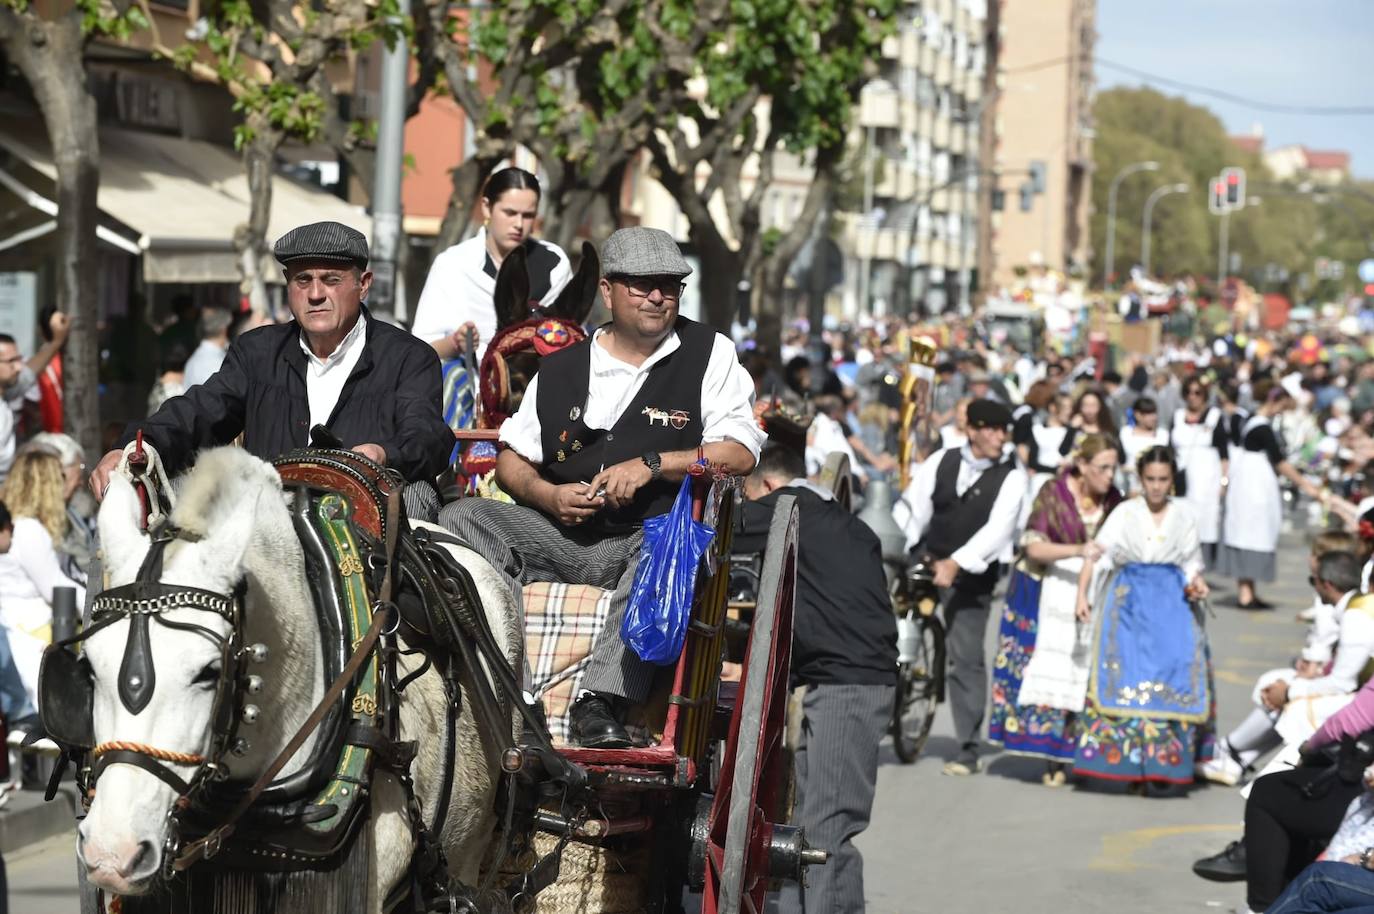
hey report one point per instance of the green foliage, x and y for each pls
(98, 19)
(1287, 229)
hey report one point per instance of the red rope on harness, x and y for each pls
(162, 755)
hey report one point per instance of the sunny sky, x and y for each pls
(1289, 52)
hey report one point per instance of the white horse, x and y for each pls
(236, 513)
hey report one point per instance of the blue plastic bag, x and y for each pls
(660, 607)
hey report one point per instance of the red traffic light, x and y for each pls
(1233, 178)
(1369, 289)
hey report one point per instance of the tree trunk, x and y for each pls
(259, 156)
(773, 271)
(720, 272)
(49, 54)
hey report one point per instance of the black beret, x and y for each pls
(988, 414)
(322, 241)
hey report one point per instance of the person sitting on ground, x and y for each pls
(844, 651)
(1336, 580)
(373, 386)
(603, 438)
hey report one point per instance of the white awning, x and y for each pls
(184, 199)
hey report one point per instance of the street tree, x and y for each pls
(48, 46)
(277, 59)
(806, 61)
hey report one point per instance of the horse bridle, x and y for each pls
(66, 689)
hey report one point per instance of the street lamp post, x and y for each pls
(1155, 196)
(1108, 259)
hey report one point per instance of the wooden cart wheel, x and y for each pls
(737, 865)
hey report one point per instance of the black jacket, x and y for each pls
(843, 630)
(392, 398)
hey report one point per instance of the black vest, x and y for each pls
(665, 415)
(955, 518)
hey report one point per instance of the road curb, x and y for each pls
(27, 820)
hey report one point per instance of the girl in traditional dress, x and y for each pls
(1149, 692)
(1254, 504)
(1138, 438)
(1199, 439)
(462, 282)
(1039, 678)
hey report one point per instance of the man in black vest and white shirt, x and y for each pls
(606, 432)
(961, 511)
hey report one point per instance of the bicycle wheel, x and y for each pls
(920, 680)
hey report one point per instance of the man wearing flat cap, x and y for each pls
(373, 386)
(605, 434)
(960, 513)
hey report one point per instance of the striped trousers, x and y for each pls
(837, 774)
(525, 545)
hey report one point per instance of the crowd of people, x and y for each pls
(1080, 496)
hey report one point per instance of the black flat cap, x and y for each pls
(322, 241)
(988, 414)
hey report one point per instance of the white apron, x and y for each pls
(1057, 674)
(1202, 464)
(1254, 507)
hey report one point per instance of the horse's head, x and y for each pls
(166, 664)
(527, 332)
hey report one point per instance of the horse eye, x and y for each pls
(207, 676)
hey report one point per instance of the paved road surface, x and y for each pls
(1003, 842)
(998, 842)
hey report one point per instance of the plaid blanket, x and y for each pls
(562, 622)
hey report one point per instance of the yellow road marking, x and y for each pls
(1251, 638)
(1246, 661)
(1118, 849)
(1240, 679)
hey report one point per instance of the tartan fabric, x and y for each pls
(562, 622)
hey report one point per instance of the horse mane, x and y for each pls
(223, 480)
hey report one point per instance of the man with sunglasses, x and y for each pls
(603, 438)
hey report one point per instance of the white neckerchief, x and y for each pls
(325, 377)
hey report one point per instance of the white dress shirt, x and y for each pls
(203, 363)
(458, 289)
(993, 541)
(727, 397)
(325, 377)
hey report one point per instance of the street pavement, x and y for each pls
(999, 841)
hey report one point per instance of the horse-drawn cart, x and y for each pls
(697, 809)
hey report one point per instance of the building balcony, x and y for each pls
(944, 69)
(892, 47)
(940, 131)
(879, 106)
(910, 53)
(866, 241)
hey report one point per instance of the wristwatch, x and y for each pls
(654, 463)
(1367, 858)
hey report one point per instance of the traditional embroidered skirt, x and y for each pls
(1035, 731)
(1150, 699)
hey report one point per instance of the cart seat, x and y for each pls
(562, 622)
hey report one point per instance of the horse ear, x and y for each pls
(122, 543)
(576, 299)
(512, 297)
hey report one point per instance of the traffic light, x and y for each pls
(1235, 187)
(1027, 194)
(999, 200)
(1037, 177)
(1216, 197)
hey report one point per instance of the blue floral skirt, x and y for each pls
(1032, 730)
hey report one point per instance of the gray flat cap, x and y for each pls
(642, 251)
(322, 241)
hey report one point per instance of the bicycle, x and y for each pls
(920, 659)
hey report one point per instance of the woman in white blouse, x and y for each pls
(30, 571)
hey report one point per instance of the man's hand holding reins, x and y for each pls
(100, 476)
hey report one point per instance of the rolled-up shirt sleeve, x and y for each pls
(521, 432)
(993, 540)
(912, 511)
(727, 400)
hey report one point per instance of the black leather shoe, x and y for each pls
(1227, 866)
(594, 724)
